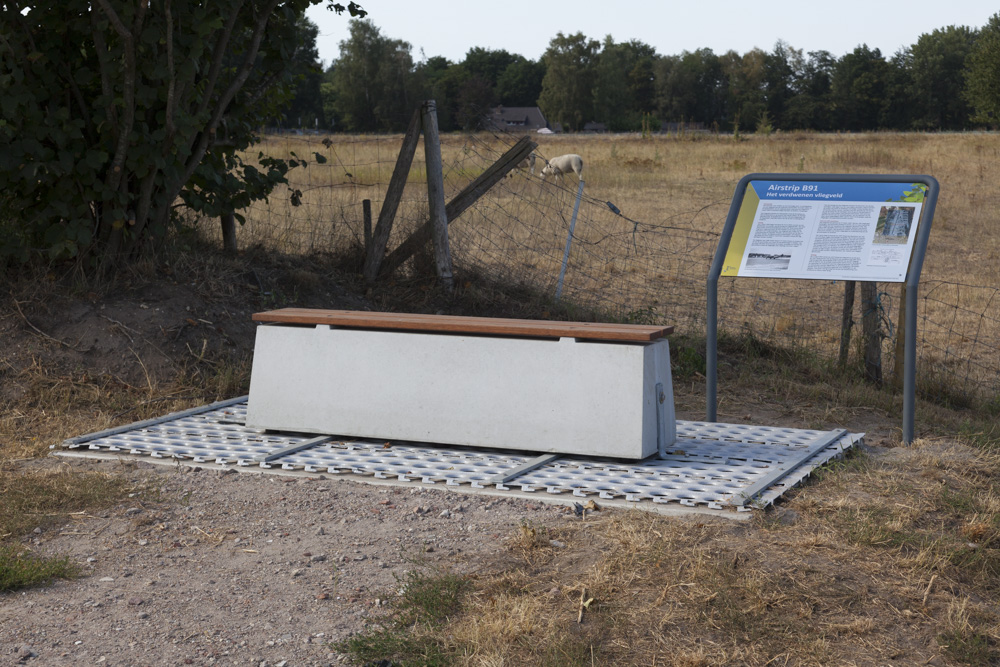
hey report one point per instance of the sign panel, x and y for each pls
(829, 230)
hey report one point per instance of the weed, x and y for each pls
(20, 568)
(962, 640)
(408, 634)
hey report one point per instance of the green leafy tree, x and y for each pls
(859, 90)
(936, 65)
(488, 64)
(611, 96)
(112, 111)
(371, 81)
(439, 79)
(809, 108)
(694, 88)
(779, 68)
(623, 84)
(567, 89)
(744, 77)
(520, 84)
(982, 75)
(305, 108)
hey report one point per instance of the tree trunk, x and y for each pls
(229, 233)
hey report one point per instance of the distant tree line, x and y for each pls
(948, 80)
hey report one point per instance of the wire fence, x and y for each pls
(635, 268)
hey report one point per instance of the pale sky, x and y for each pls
(450, 29)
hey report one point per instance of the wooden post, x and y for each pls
(366, 211)
(435, 195)
(380, 237)
(462, 201)
(871, 332)
(846, 322)
(228, 221)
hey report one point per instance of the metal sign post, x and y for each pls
(868, 227)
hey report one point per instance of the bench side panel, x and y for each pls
(561, 396)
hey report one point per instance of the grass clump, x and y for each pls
(20, 568)
(408, 635)
(30, 500)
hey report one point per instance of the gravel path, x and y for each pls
(212, 567)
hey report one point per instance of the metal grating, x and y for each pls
(712, 466)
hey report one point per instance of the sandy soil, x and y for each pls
(218, 567)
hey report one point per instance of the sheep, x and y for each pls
(527, 163)
(563, 164)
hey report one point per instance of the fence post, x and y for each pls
(569, 240)
(435, 194)
(871, 322)
(846, 322)
(366, 211)
(380, 237)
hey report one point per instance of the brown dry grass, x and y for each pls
(876, 569)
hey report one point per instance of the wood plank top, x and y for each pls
(495, 326)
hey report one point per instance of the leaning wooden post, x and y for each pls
(435, 194)
(846, 322)
(380, 237)
(460, 202)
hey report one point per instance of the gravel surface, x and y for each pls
(217, 567)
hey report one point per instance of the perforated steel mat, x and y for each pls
(722, 468)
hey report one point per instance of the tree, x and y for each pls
(112, 110)
(982, 75)
(611, 98)
(567, 89)
(810, 107)
(439, 79)
(694, 88)
(623, 84)
(488, 64)
(859, 89)
(520, 85)
(937, 65)
(305, 108)
(371, 81)
(745, 81)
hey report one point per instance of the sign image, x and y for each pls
(828, 230)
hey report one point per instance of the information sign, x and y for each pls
(830, 230)
(852, 227)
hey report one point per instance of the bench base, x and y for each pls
(559, 395)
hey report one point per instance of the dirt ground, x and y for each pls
(241, 568)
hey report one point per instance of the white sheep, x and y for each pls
(563, 164)
(527, 163)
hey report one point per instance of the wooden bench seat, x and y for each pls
(555, 387)
(490, 326)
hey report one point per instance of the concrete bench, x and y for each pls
(559, 387)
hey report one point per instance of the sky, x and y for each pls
(450, 29)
